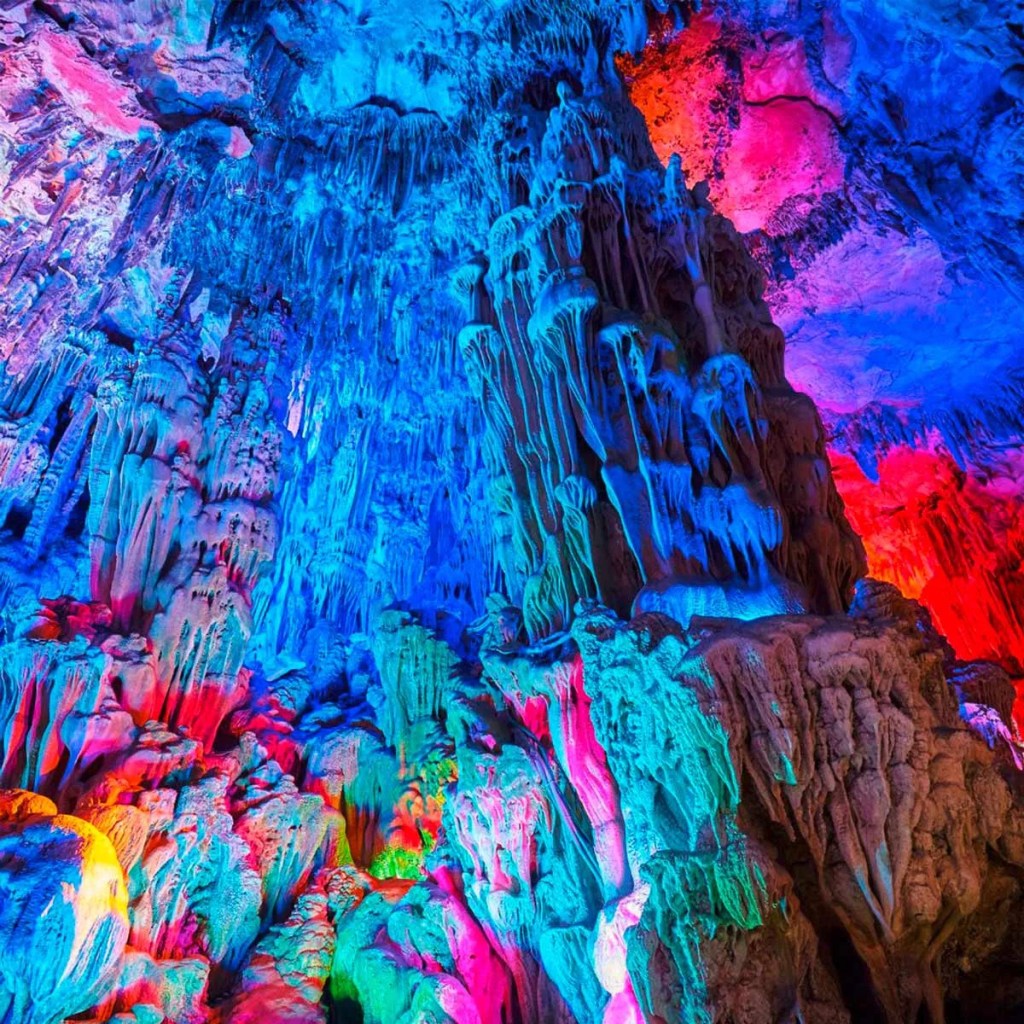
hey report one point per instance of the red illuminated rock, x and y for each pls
(952, 538)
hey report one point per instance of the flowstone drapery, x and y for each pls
(632, 385)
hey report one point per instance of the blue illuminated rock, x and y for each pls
(63, 912)
(423, 595)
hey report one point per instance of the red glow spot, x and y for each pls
(951, 539)
(743, 113)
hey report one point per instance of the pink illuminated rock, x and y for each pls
(783, 141)
(561, 711)
(417, 953)
(286, 975)
(83, 84)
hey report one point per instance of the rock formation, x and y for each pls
(64, 921)
(883, 206)
(425, 596)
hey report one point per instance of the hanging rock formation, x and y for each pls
(633, 390)
(883, 205)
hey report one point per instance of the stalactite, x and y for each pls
(422, 594)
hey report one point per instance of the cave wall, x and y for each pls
(871, 153)
(426, 596)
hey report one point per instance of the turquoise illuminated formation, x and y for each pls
(425, 597)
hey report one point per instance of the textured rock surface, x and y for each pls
(872, 152)
(424, 597)
(64, 920)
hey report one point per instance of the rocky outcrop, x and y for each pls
(64, 919)
(879, 250)
(883, 812)
(643, 444)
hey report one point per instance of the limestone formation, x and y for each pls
(64, 916)
(423, 595)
